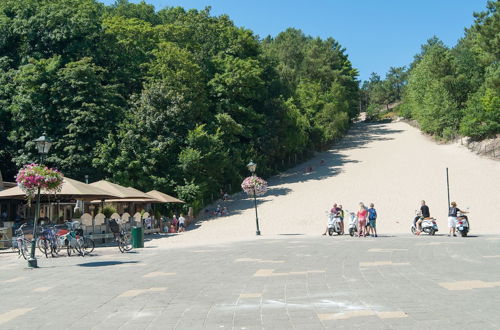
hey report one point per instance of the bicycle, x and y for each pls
(48, 242)
(73, 239)
(122, 238)
(21, 243)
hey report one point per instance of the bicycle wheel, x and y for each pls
(80, 246)
(58, 244)
(88, 245)
(23, 249)
(120, 245)
(43, 246)
(126, 242)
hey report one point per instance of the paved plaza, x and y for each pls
(282, 282)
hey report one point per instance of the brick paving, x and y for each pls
(298, 282)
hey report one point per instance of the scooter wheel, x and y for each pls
(351, 232)
(463, 233)
(432, 232)
(413, 231)
(330, 231)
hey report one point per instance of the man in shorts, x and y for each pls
(182, 223)
(372, 219)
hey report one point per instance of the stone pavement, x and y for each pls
(287, 282)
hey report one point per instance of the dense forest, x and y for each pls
(449, 91)
(175, 100)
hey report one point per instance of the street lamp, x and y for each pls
(43, 144)
(251, 167)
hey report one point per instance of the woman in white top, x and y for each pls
(182, 221)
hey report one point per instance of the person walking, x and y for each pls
(182, 223)
(362, 216)
(452, 218)
(372, 218)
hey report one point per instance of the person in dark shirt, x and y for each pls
(452, 218)
(424, 213)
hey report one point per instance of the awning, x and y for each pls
(163, 198)
(120, 191)
(71, 189)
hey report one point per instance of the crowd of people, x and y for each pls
(177, 224)
(367, 219)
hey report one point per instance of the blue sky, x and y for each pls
(377, 34)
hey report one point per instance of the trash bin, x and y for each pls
(137, 237)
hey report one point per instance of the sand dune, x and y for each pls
(392, 165)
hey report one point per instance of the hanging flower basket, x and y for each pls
(34, 176)
(254, 181)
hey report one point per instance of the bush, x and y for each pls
(373, 112)
(108, 210)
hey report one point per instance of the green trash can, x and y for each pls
(137, 237)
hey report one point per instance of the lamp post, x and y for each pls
(251, 167)
(83, 203)
(43, 144)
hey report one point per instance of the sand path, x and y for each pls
(392, 165)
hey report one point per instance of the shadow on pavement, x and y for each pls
(106, 263)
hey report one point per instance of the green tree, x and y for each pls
(71, 103)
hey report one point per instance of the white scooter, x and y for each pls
(334, 224)
(428, 225)
(463, 226)
(353, 223)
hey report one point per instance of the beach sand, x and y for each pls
(392, 165)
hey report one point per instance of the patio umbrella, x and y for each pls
(119, 191)
(71, 189)
(163, 198)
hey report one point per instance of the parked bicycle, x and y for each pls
(21, 243)
(123, 238)
(72, 238)
(47, 242)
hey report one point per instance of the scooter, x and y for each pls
(429, 225)
(353, 223)
(463, 226)
(334, 224)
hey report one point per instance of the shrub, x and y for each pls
(108, 210)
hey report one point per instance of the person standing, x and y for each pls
(452, 218)
(175, 222)
(372, 218)
(341, 211)
(362, 216)
(182, 223)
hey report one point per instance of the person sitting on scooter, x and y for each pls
(333, 211)
(424, 213)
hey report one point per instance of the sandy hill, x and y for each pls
(391, 164)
